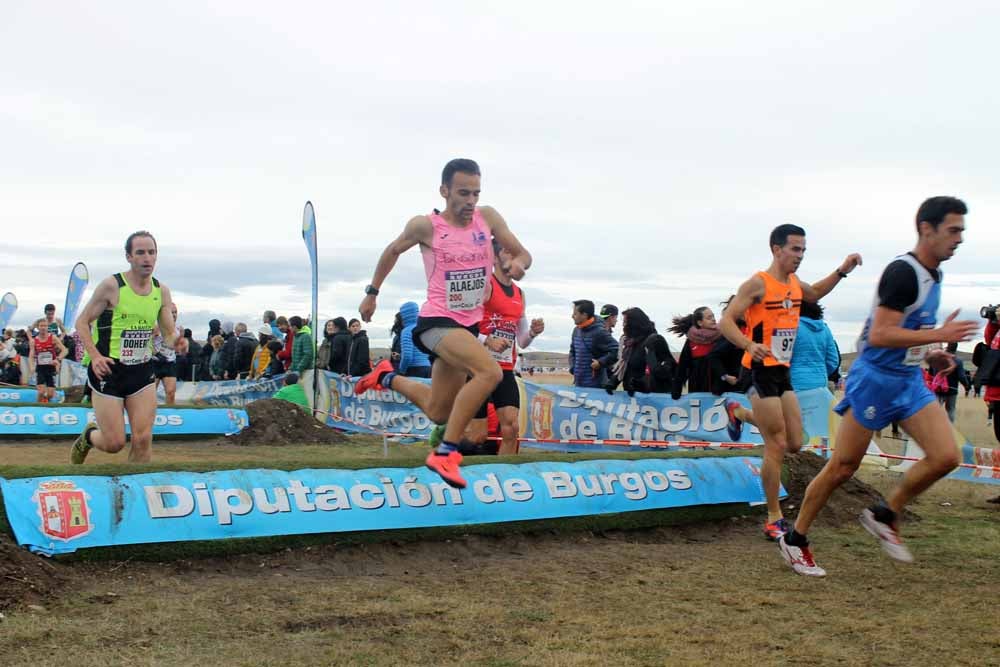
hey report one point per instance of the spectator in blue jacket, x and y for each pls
(592, 350)
(815, 356)
(412, 362)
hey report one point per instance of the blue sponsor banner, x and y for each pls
(78, 279)
(234, 393)
(988, 458)
(8, 306)
(22, 420)
(569, 413)
(26, 395)
(59, 515)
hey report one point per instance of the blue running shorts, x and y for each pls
(877, 398)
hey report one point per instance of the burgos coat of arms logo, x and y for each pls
(63, 509)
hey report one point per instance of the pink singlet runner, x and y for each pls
(458, 265)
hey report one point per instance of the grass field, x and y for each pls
(639, 589)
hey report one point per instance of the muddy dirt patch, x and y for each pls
(24, 577)
(275, 422)
(844, 505)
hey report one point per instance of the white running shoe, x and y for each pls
(887, 537)
(800, 559)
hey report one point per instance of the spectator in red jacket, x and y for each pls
(286, 354)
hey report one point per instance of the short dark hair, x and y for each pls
(458, 165)
(353, 320)
(134, 235)
(291, 378)
(295, 321)
(50, 306)
(275, 346)
(340, 323)
(585, 306)
(934, 210)
(780, 234)
(813, 311)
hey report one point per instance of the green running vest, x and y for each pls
(125, 332)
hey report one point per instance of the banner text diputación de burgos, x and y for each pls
(172, 501)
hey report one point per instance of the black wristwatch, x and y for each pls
(371, 290)
(842, 274)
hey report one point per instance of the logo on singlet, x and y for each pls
(479, 238)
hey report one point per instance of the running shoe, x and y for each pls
(370, 381)
(773, 531)
(80, 446)
(436, 436)
(446, 465)
(735, 426)
(800, 559)
(887, 537)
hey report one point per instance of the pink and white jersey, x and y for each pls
(458, 265)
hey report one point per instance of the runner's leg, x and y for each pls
(793, 421)
(460, 349)
(771, 423)
(435, 400)
(170, 389)
(850, 445)
(509, 430)
(141, 408)
(930, 429)
(110, 434)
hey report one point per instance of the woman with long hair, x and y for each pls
(700, 365)
(645, 363)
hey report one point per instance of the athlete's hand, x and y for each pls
(497, 344)
(939, 358)
(101, 365)
(367, 307)
(595, 366)
(957, 331)
(537, 326)
(851, 262)
(758, 352)
(516, 270)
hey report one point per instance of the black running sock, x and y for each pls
(883, 514)
(86, 437)
(796, 539)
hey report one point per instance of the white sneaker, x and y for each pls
(887, 537)
(800, 559)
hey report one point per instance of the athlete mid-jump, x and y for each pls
(456, 245)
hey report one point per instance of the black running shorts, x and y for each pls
(771, 381)
(45, 376)
(505, 395)
(123, 381)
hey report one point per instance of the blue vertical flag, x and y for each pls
(8, 306)
(309, 236)
(79, 277)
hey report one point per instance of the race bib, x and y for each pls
(782, 344)
(915, 355)
(465, 288)
(507, 356)
(44, 358)
(135, 348)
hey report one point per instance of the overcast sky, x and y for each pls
(641, 150)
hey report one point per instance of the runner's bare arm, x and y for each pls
(417, 230)
(887, 330)
(749, 293)
(166, 319)
(817, 290)
(63, 351)
(522, 258)
(105, 296)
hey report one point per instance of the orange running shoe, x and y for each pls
(370, 381)
(773, 531)
(446, 465)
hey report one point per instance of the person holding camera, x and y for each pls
(987, 360)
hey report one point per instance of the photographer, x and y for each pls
(988, 366)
